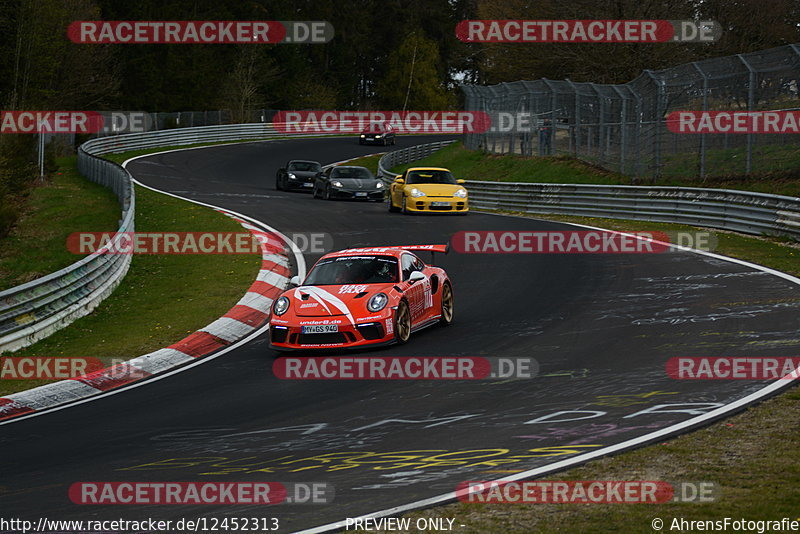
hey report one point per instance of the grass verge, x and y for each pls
(162, 299)
(68, 203)
(370, 162)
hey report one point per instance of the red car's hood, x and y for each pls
(328, 301)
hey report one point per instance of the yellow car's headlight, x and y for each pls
(416, 193)
(461, 193)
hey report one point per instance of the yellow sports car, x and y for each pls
(428, 189)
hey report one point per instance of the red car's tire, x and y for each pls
(448, 305)
(402, 323)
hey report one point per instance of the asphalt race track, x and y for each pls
(601, 327)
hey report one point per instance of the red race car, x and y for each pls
(362, 297)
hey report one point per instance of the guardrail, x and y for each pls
(740, 211)
(35, 310)
(182, 137)
(406, 155)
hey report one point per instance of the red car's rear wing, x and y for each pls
(444, 249)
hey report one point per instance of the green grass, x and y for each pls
(370, 162)
(770, 163)
(68, 203)
(476, 165)
(162, 299)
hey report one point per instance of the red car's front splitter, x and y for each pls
(363, 334)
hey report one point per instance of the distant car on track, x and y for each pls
(377, 134)
(362, 297)
(428, 189)
(348, 182)
(297, 174)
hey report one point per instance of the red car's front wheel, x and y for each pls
(402, 323)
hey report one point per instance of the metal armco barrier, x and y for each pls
(738, 211)
(185, 136)
(35, 310)
(406, 155)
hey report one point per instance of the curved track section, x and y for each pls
(601, 326)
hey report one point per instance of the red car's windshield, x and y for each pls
(354, 270)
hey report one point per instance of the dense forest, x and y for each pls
(367, 65)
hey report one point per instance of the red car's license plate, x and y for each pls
(321, 329)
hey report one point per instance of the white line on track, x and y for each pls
(718, 413)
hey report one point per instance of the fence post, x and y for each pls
(661, 105)
(750, 106)
(705, 108)
(553, 125)
(601, 127)
(638, 137)
(576, 119)
(622, 129)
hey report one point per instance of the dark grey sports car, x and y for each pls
(348, 182)
(297, 174)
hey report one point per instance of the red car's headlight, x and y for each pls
(377, 302)
(280, 306)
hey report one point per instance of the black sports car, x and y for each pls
(297, 174)
(348, 182)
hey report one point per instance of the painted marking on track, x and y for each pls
(697, 420)
(370, 460)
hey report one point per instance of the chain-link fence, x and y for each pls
(623, 127)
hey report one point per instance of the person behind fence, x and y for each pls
(545, 135)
